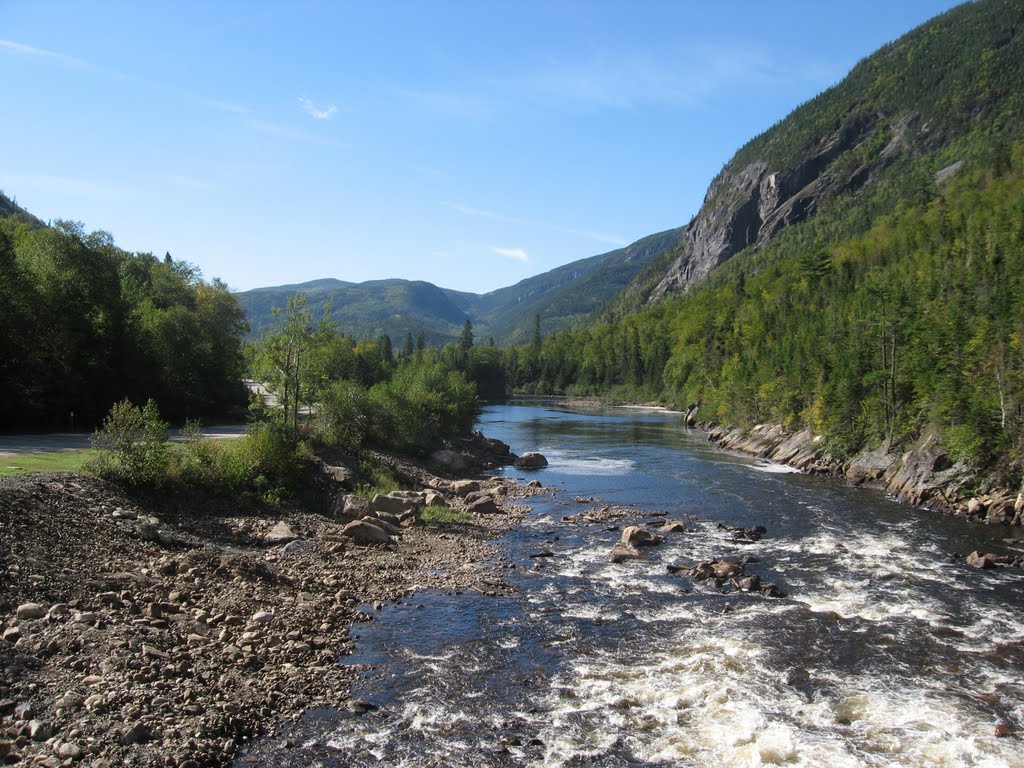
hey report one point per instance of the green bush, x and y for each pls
(266, 459)
(343, 415)
(132, 445)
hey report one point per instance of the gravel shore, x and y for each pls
(171, 631)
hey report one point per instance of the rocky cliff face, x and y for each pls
(746, 206)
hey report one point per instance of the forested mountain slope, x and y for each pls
(948, 92)
(560, 297)
(875, 291)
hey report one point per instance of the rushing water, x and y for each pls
(882, 653)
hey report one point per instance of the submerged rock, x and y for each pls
(532, 460)
(635, 536)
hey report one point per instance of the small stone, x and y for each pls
(12, 635)
(40, 730)
(30, 611)
(69, 750)
(262, 617)
(137, 734)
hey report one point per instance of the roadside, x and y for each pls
(14, 445)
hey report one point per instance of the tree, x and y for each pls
(466, 340)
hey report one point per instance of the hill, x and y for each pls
(946, 94)
(856, 271)
(561, 297)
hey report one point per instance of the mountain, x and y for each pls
(9, 207)
(855, 275)
(561, 297)
(946, 92)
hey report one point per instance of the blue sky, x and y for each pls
(471, 144)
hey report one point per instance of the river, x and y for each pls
(883, 651)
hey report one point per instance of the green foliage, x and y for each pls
(381, 480)
(132, 445)
(915, 323)
(422, 406)
(343, 415)
(268, 460)
(444, 515)
(86, 324)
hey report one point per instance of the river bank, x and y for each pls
(151, 631)
(922, 476)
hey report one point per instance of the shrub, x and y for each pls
(132, 444)
(343, 415)
(266, 460)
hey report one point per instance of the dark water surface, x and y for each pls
(883, 652)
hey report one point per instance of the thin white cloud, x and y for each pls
(187, 181)
(43, 53)
(88, 189)
(516, 254)
(587, 234)
(316, 112)
(469, 210)
(29, 50)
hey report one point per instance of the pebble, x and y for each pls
(30, 611)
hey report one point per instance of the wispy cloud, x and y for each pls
(29, 50)
(317, 112)
(88, 189)
(599, 237)
(516, 254)
(74, 61)
(186, 181)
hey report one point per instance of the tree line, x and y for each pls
(85, 324)
(867, 329)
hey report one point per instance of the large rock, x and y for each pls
(365, 533)
(449, 461)
(635, 536)
(622, 551)
(29, 611)
(281, 533)
(396, 503)
(350, 507)
(344, 476)
(485, 505)
(532, 460)
(465, 487)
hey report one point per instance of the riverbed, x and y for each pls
(884, 649)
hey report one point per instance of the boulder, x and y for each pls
(475, 496)
(673, 526)
(395, 504)
(29, 611)
(341, 475)
(350, 507)
(622, 551)
(982, 560)
(389, 523)
(635, 536)
(281, 533)
(465, 487)
(449, 461)
(434, 499)
(531, 461)
(485, 505)
(365, 533)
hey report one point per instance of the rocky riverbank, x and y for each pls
(923, 475)
(170, 631)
